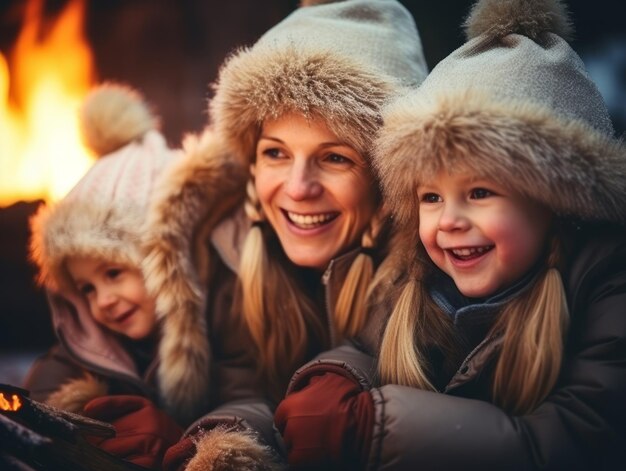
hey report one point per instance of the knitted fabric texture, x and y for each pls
(515, 105)
(102, 216)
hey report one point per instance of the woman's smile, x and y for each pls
(310, 220)
(315, 191)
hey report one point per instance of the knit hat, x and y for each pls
(102, 216)
(339, 61)
(515, 105)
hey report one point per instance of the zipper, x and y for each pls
(468, 359)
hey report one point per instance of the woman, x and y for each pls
(284, 276)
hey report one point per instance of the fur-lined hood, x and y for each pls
(515, 105)
(188, 210)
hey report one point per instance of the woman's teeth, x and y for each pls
(307, 221)
(472, 252)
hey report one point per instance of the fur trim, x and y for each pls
(112, 116)
(568, 166)
(194, 194)
(99, 231)
(75, 394)
(265, 83)
(498, 18)
(220, 449)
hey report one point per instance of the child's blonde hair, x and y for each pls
(531, 327)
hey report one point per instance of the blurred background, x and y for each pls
(53, 51)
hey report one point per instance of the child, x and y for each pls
(506, 346)
(88, 251)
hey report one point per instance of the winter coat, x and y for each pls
(203, 292)
(580, 425)
(172, 369)
(88, 361)
(242, 400)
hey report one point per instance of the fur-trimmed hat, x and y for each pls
(102, 216)
(336, 60)
(514, 104)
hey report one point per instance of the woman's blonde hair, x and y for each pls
(283, 320)
(532, 326)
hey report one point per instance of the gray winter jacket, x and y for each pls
(580, 425)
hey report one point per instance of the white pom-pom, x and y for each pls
(113, 115)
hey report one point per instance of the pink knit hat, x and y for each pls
(103, 215)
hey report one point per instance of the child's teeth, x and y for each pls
(466, 252)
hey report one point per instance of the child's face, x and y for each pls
(116, 294)
(484, 236)
(316, 192)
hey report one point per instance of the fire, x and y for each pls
(14, 405)
(41, 154)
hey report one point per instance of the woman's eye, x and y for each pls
(337, 159)
(430, 198)
(273, 153)
(480, 193)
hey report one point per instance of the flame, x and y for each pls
(41, 154)
(12, 406)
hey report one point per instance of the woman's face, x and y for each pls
(316, 192)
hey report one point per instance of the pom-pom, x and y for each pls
(113, 115)
(498, 18)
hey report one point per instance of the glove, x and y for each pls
(143, 432)
(328, 423)
(179, 454)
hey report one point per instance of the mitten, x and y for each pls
(143, 431)
(327, 423)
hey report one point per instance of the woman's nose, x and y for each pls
(303, 182)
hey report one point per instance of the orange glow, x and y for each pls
(14, 405)
(41, 154)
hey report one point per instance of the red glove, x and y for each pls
(144, 432)
(328, 423)
(176, 457)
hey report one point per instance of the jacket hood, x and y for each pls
(192, 198)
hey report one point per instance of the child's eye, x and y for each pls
(86, 289)
(430, 198)
(480, 193)
(113, 273)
